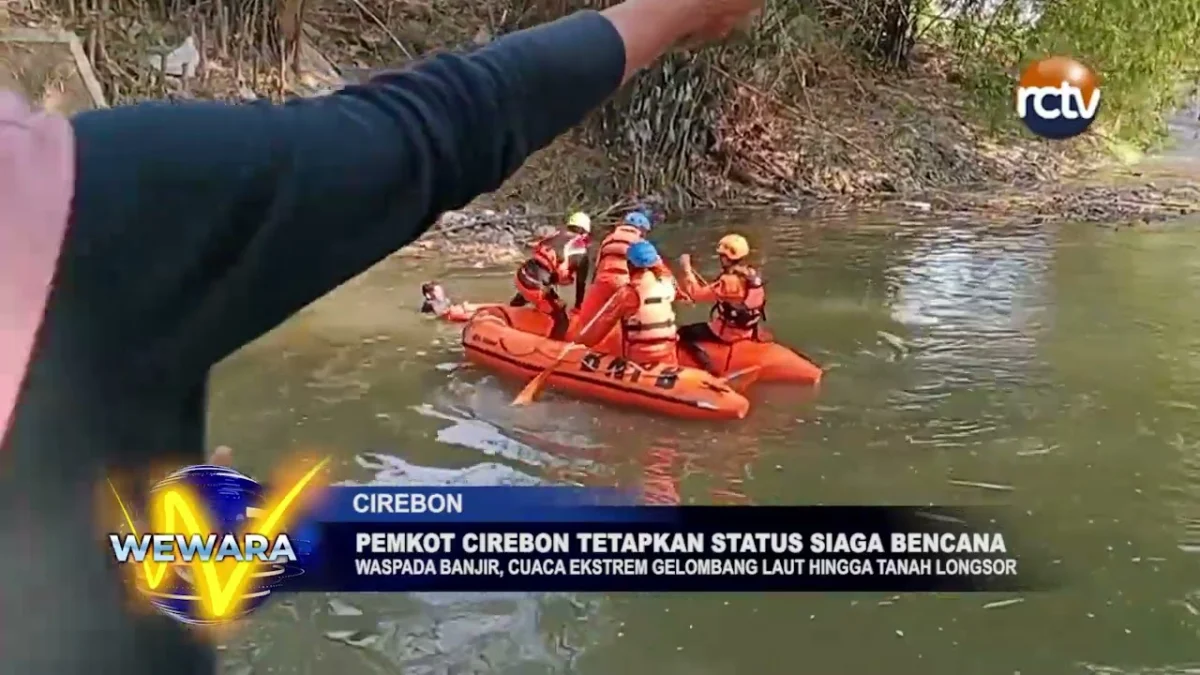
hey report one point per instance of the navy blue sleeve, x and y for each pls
(583, 266)
(198, 227)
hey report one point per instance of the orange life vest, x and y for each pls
(554, 254)
(733, 320)
(611, 260)
(650, 333)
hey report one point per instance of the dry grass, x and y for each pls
(45, 72)
(809, 105)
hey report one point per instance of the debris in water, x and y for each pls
(983, 486)
(940, 517)
(354, 638)
(421, 353)
(447, 366)
(1182, 405)
(899, 632)
(1004, 603)
(1038, 451)
(290, 608)
(343, 608)
(894, 341)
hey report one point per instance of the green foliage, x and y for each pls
(1141, 48)
(668, 122)
(1144, 50)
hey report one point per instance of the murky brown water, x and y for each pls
(1062, 366)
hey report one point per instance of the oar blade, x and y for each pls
(535, 385)
(740, 380)
(530, 392)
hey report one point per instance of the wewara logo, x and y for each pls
(1058, 97)
(214, 547)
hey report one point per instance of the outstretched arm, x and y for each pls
(695, 289)
(622, 303)
(199, 227)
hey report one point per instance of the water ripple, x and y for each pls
(430, 633)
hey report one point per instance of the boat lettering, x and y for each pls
(620, 369)
(623, 370)
(590, 362)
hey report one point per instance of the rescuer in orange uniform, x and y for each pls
(558, 260)
(739, 298)
(644, 309)
(612, 270)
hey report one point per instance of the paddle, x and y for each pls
(535, 385)
(744, 377)
(744, 372)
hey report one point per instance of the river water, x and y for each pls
(1055, 370)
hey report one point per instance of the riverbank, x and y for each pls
(485, 236)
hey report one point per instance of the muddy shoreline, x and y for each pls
(483, 237)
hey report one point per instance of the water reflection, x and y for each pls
(979, 297)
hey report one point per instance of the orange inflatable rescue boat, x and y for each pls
(776, 362)
(512, 341)
(771, 361)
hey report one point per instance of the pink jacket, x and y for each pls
(37, 175)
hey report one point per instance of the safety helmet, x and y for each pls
(580, 221)
(733, 246)
(642, 254)
(639, 220)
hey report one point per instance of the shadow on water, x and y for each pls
(1052, 370)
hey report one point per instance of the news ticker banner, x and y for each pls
(216, 544)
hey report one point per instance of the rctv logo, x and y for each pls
(1058, 97)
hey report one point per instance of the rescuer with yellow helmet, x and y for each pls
(739, 301)
(558, 260)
